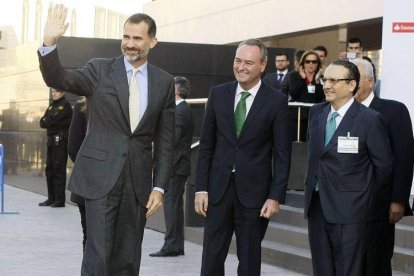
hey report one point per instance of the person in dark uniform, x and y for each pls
(77, 133)
(173, 207)
(56, 120)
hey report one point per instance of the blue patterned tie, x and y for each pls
(330, 127)
(329, 132)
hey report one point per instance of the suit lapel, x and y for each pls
(229, 98)
(376, 104)
(258, 102)
(153, 96)
(119, 78)
(345, 125)
(321, 125)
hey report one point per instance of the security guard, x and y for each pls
(56, 120)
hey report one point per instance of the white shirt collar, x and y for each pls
(284, 72)
(143, 69)
(341, 111)
(177, 102)
(367, 102)
(253, 91)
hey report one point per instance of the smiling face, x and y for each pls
(247, 66)
(136, 43)
(339, 92)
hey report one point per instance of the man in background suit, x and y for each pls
(392, 202)
(349, 160)
(173, 207)
(275, 79)
(243, 164)
(126, 159)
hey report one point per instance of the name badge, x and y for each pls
(311, 89)
(348, 144)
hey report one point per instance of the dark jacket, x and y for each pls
(57, 117)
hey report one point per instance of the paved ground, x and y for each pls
(47, 241)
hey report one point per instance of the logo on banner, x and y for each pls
(403, 27)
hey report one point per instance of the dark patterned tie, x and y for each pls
(240, 113)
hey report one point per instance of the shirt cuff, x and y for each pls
(201, 192)
(44, 50)
(158, 189)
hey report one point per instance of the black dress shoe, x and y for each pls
(46, 203)
(56, 205)
(164, 253)
(181, 252)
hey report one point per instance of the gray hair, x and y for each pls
(366, 67)
(256, 42)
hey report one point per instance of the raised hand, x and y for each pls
(55, 25)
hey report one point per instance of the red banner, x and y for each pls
(403, 27)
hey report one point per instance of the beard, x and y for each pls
(139, 56)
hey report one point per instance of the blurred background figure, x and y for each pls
(275, 79)
(174, 205)
(303, 85)
(56, 121)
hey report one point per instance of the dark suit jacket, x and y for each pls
(184, 126)
(77, 132)
(347, 181)
(271, 80)
(397, 119)
(109, 139)
(265, 136)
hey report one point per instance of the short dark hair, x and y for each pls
(183, 85)
(353, 72)
(355, 40)
(256, 42)
(142, 17)
(298, 55)
(321, 48)
(282, 54)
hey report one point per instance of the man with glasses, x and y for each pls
(350, 159)
(275, 79)
(392, 202)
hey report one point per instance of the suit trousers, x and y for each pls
(337, 249)
(174, 214)
(115, 229)
(224, 218)
(380, 248)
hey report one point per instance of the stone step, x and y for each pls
(403, 260)
(290, 215)
(404, 236)
(287, 234)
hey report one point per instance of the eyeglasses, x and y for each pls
(313, 61)
(333, 81)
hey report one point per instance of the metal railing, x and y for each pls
(299, 105)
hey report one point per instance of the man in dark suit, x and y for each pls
(275, 79)
(350, 159)
(243, 163)
(173, 207)
(126, 159)
(392, 202)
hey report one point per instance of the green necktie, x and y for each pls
(240, 113)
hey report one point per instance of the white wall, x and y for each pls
(227, 21)
(398, 51)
